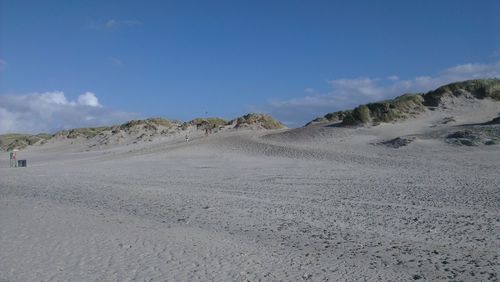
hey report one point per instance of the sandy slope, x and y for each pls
(317, 203)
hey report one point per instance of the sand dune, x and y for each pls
(317, 203)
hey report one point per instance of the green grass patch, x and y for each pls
(208, 123)
(9, 142)
(265, 121)
(479, 88)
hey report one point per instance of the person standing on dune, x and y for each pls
(11, 156)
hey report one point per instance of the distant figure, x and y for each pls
(187, 138)
(11, 158)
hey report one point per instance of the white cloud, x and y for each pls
(88, 99)
(348, 93)
(3, 64)
(51, 111)
(55, 97)
(362, 87)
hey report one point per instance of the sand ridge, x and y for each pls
(397, 201)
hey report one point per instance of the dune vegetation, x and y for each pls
(409, 105)
(87, 132)
(261, 120)
(19, 141)
(142, 127)
(206, 123)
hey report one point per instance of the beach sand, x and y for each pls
(319, 203)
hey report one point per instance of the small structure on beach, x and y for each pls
(14, 162)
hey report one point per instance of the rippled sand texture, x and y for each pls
(317, 203)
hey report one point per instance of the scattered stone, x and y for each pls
(463, 137)
(474, 136)
(417, 277)
(464, 134)
(447, 120)
(398, 142)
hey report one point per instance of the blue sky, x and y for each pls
(181, 59)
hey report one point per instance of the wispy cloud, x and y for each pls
(116, 62)
(50, 111)
(3, 64)
(348, 93)
(112, 24)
